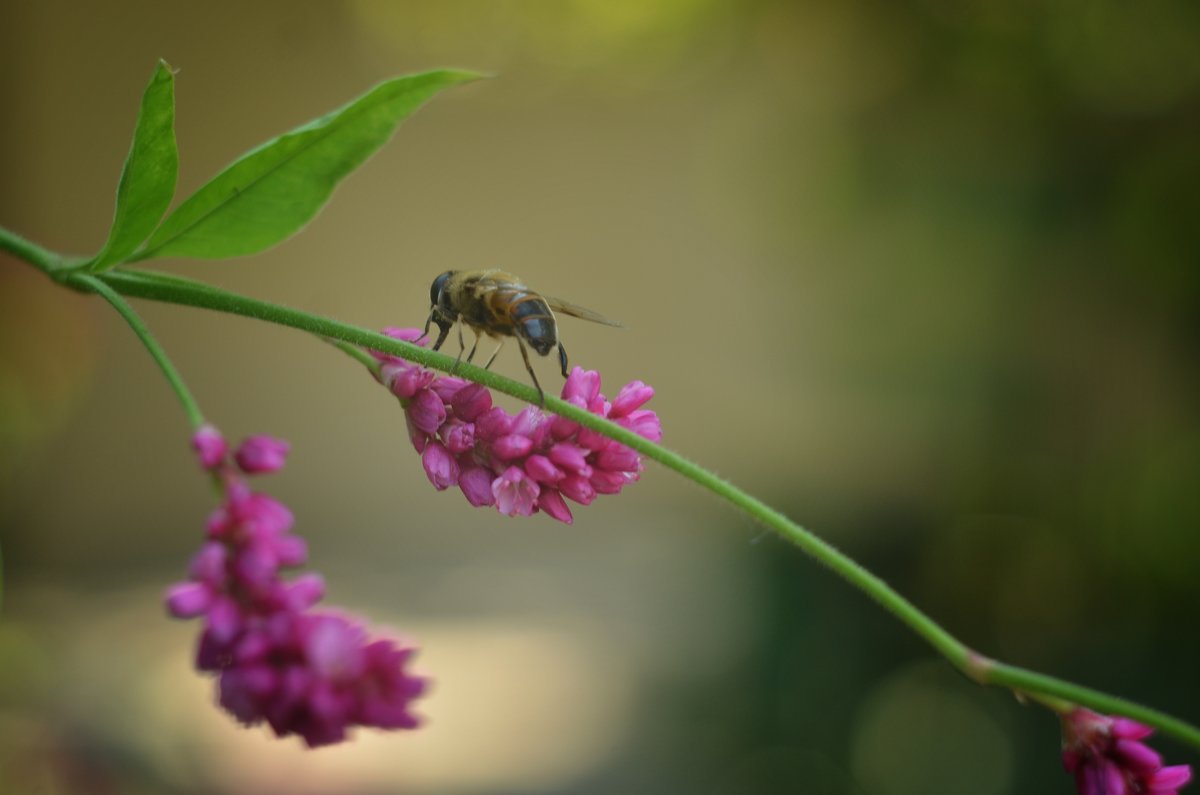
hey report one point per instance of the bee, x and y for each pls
(496, 303)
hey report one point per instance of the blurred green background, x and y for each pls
(922, 274)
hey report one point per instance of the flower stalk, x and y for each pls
(177, 290)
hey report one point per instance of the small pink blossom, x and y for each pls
(209, 445)
(515, 492)
(524, 463)
(312, 673)
(440, 466)
(258, 454)
(1106, 757)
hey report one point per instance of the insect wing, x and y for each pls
(567, 308)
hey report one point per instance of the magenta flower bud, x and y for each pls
(440, 466)
(427, 411)
(568, 456)
(471, 401)
(644, 423)
(563, 428)
(406, 380)
(406, 334)
(608, 482)
(618, 457)
(515, 493)
(541, 469)
(527, 422)
(1169, 779)
(581, 383)
(189, 599)
(632, 396)
(592, 440)
(263, 515)
(262, 454)
(305, 591)
(447, 386)
(334, 647)
(512, 446)
(208, 565)
(1137, 755)
(209, 445)
(493, 424)
(476, 485)
(255, 568)
(224, 619)
(577, 488)
(459, 436)
(550, 501)
(417, 436)
(291, 551)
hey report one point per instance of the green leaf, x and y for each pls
(148, 179)
(269, 193)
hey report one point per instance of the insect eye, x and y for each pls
(439, 284)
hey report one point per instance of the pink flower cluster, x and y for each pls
(521, 463)
(1106, 757)
(306, 672)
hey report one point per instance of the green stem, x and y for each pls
(173, 289)
(156, 352)
(29, 251)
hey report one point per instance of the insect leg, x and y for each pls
(562, 358)
(471, 355)
(428, 320)
(443, 331)
(462, 346)
(492, 358)
(529, 369)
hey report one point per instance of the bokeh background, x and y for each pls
(922, 274)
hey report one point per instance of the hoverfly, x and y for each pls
(496, 303)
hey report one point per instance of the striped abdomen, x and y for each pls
(524, 314)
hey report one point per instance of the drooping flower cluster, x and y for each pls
(521, 463)
(308, 672)
(1106, 757)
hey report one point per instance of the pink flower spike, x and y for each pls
(262, 454)
(440, 466)
(315, 675)
(209, 445)
(515, 493)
